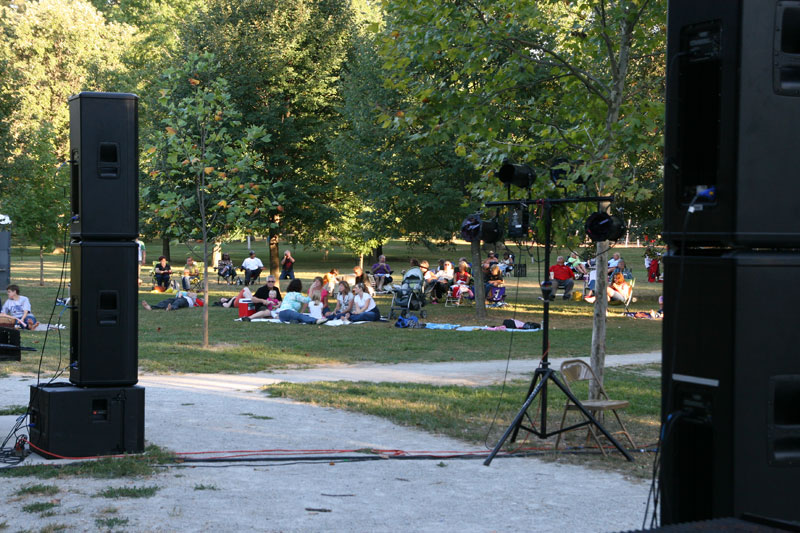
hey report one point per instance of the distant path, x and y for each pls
(472, 373)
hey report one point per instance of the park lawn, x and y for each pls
(480, 415)
(171, 341)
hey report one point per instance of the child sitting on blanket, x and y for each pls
(315, 305)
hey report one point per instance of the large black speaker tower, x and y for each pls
(731, 372)
(101, 412)
(104, 155)
(731, 387)
(732, 122)
(104, 314)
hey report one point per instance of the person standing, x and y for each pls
(287, 266)
(252, 268)
(142, 257)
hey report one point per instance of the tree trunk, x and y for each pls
(165, 248)
(274, 256)
(41, 265)
(376, 253)
(598, 354)
(205, 286)
(477, 275)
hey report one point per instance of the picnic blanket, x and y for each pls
(652, 315)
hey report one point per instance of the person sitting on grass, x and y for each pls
(264, 303)
(315, 306)
(344, 302)
(162, 272)
(18, 308)
(364, 307)
(289, 311)
(181, 300)
(330, 279)
(622, 269)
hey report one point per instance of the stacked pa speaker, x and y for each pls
(104, 314)
(731, 364)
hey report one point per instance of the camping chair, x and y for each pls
(627, 303)
(457, 295)
(574, 370)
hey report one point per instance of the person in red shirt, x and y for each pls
(561, 276)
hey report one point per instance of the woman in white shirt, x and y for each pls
(364, 307)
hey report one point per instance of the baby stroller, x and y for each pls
(410, 296)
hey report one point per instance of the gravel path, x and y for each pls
(221, 412)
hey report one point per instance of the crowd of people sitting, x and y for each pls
(349, 298)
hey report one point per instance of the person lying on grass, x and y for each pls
(18, 308)
(182, 299)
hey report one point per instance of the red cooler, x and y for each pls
(246, 308)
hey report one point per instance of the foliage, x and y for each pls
(535, 81)
(393, 187)
(282, 59)
(206, 157)
(49, 50)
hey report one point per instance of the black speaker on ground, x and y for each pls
(104, 153)
(104, 314)
(70, 421)
(732, 122)
(731, 386)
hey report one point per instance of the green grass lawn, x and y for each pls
(171, 341)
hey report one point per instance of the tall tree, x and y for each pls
(393, 186)
(49, 50)
(282, 60)
(534, 81)
(206, 156)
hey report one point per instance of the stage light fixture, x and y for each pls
(520, 175)
(604, 227)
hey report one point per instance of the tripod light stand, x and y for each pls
(544, 373)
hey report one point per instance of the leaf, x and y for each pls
(171, 130)
(208, 170)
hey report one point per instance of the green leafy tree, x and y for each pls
(204, 160)
(39, 203)
(282, 60)
(535, 81)
(43, 61)
(392, 186)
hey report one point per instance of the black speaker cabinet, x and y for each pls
(70, 421)
(10, 345)
(732, 120)
(105, 164)
(731, 387)
(104, 314)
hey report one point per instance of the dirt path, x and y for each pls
(220, 412)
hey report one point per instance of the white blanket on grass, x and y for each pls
(277, 321)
